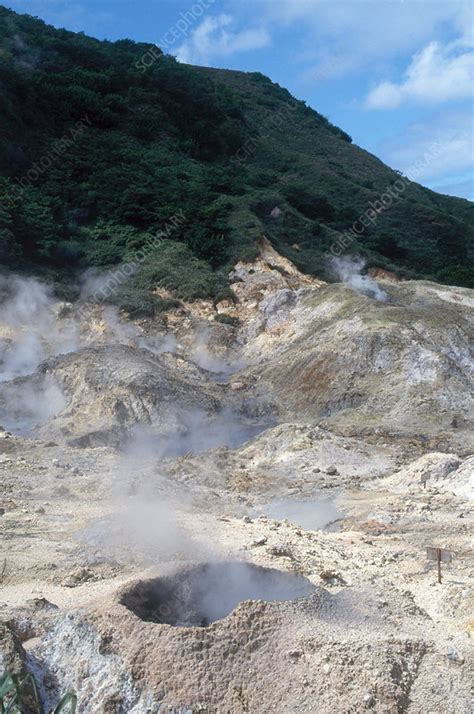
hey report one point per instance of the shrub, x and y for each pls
(462, 275)
(311, 205)
(227, 319)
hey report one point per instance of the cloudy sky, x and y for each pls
(395, 74)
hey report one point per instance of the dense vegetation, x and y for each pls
(96, 155)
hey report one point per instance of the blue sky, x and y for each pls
(395, 74)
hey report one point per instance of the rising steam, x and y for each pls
(349, 270)
(150, 519)
(30, 329)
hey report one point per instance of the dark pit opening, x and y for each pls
(202, 594)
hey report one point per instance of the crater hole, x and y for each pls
(201, 594)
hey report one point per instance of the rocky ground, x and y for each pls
(307, 456)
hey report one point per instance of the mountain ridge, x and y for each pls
(235, 152)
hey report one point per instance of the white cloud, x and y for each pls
(434, 149)
(340, 38)
(436, 74)
(215, 37)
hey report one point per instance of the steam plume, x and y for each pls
(30, 328)
(349, 270)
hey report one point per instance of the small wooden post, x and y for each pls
(441, 555)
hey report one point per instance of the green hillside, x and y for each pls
(98, 155)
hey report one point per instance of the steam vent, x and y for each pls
(202, 594)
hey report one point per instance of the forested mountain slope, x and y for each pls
(97, 153)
